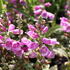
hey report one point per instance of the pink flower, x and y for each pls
(38, 7)
(49, 41)
(47, 4)
(13, 1)
(17, 31)
(68, 12)
(64, 24)
(22, 2)
(37, 12)
(1, 37)
(51, 55)
(44, 14)
(11, 27)
(33, 55)
(66, 6)
(54, 41)
(8, 44)
(44, 51)
(67, 29)
(16, 48)
(31, 27)
(64, 19)
(50, 15)
(33, 45)
(46, 41)
(19, 53)
(45, 29)
(3, 28)
(42, 27)
(1, 41)
(32, 34)
(1, 20)
(25, 41)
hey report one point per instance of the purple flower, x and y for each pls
(22, 2)
(17, 31)
(32, 34)
(45, 29)
(1, 37)
(68, 12)
(50, 15)
(44, 14)
(1, 41)
(46, 41)
(33, 45)
(38, 7)
(8, 13)
(66, 6)
(25, 41)
(64, 19)
(49, 41)
(12, 1)
(54, 41)
(33, 55)
(67, 29)
(3, 28)
(16, 48)
(31, 27)
(11, 27)
(19, 53)
(47, 4)
(51, 55)
(44, 51)
(8, 44)
(1, 20)
(42, 27)
(37, 12)
(64, 24)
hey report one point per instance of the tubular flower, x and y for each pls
(47, 4)
(33, 45)
(31, 27)
(32, 34)
(50, 41)
(44, 51)
(65, 24)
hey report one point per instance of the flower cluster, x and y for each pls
(29, 34)
(35, 45)
(39, 11)
(65, 24)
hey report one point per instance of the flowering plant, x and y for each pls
(29, 35)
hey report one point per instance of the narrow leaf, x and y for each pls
(52, 30)
(1, 6)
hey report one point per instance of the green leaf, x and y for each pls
(52, 30)
(1, 6)
(27, 15)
